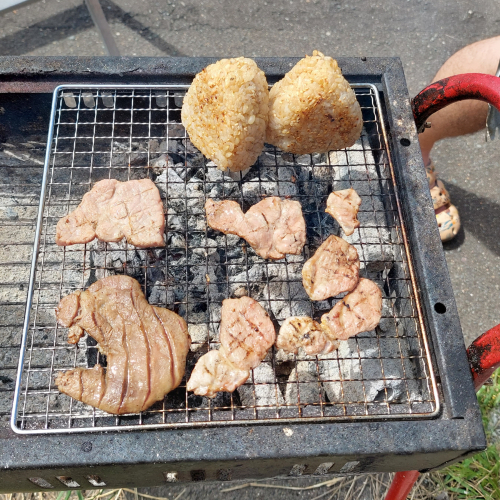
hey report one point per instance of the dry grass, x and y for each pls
(362, 487)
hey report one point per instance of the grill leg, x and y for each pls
(402, 484)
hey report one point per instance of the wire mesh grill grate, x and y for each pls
(132, 133)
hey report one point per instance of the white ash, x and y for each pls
(160, 164)
(199, 336)
(287, 296)
(222, 266)
(375, 248)
(387, 323)
(176, 240)
(352, 379)
(267, 394)
(303, 384)
(162, 296)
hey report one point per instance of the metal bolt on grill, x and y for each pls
(127, 132)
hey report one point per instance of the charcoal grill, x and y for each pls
(404, 389)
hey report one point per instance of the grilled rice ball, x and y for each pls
(313, 108)
(225, 112)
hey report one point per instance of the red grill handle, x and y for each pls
(455, 88)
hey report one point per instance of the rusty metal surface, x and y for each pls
(42, 74)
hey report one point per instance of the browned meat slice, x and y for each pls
(343, 206)
(112, 210)
(213, 373)
(273, 227)
(359, 311)
(303, 331)
(246, 334)
(146, 346)
(333, 269)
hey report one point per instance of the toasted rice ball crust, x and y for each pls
(313, 108)
(225, 112)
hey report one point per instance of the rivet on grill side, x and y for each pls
(95, 480)
(224, 474)
(349, 466)
(324, 468)
(197, 475)
(170, 477)
(297, 470)
(41, 482)
(68, 481)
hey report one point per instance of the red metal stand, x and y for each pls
(402, 484)
(484, 359)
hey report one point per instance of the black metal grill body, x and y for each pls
(148, 457)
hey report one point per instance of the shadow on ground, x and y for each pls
(73, 21)
(479, 216)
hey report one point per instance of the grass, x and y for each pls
(477, 477)
(474, 478)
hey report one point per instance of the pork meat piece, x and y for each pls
(359, 311)
(213, 373)
(145, 346)
(112, 210)
(333, 269)
(303, 331)
(273, 227)
(343, 206)
(246, 334)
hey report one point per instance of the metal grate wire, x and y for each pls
(126, 132)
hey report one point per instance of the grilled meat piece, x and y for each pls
(333, 269)
(343, 206)
(303, 331)
(359, 311)
(273, 227)
(246, 334)
(213, 373)
(146, 346)
(112, 210)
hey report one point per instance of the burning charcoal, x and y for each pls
(175, 130)
(270, 160)
(267, 394)
(303, 383)
(255, 274)
(287, 296)
(161, 295)
(158, 165)
(355, 380)
(218, 185)
(269, 181)
(287, 299)
(176, 240)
